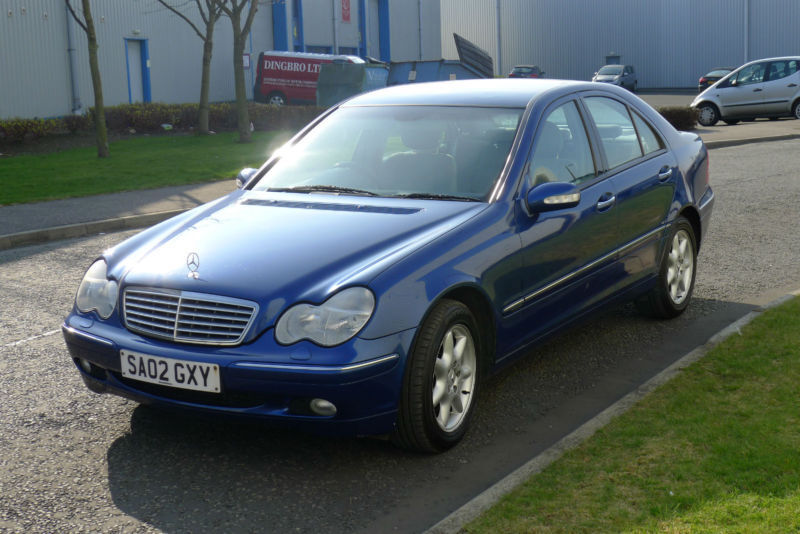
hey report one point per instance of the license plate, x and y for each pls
(170, 372)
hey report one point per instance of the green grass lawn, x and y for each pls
(715, 450)
(138, 163)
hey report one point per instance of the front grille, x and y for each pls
(188, 317)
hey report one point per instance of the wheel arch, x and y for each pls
(480, 306)
(478, 303)
(693, 216)
(707, 102)
(795, 104)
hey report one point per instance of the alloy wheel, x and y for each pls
(454, 377)
(680, 267)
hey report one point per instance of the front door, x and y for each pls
(564, 250)
(743, 94)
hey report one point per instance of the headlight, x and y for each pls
(333, 322)
(97, 292)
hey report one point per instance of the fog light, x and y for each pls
(85, 365)
(322, 407)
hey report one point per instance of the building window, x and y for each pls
(348, 50)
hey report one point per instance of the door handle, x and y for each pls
(664, 174)
(757, 90)
(607, 203)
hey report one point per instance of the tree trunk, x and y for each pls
(97, 86)
(242, 115)
(203, 108)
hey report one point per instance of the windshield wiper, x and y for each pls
(322, 189)
(436, 196)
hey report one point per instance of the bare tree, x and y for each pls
(210, 11)
(87, 23)
(234, 9)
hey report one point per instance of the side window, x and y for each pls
(617, 134)
(751, 74)
(781, 69)
(651, 141)
(562, 152)
(776, 70)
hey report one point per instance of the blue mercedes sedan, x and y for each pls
(376, 268)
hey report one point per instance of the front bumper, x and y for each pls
(261, 380)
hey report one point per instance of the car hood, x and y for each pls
(606, 77)
(278, 249)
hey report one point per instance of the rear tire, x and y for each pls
(276, 98)
(441, 380)
(707, 114)
(796, 110)
(676, 274)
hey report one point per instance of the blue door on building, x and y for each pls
(137, 62)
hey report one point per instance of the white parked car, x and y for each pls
(763, 88)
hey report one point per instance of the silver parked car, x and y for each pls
(763, 88)
(622, 75)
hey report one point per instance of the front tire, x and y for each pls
(708, 114)
(676, 275)
(796, 110)
(441, 380)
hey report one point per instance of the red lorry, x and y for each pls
(291, 77)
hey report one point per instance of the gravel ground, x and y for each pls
(74, 461)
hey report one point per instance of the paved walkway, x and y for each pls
(39, 222)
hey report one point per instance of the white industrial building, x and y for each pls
(671, 43)
(148, 54)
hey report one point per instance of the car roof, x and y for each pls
(782, 58)
(312, 55)
(500, 92)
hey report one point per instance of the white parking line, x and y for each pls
(32, 338)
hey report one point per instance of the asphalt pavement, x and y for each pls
(39, 222)
(133, 470)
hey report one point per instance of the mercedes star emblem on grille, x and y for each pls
(193, 263)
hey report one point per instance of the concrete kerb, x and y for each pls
(722, 143)
(454, 522)
(70, 231)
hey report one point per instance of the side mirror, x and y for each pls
(244, 176)
(552, 196)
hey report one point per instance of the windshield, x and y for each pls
(523, 70)
(425, 151)
(612, 70)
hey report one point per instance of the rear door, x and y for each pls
(644, 174)
(781, 86)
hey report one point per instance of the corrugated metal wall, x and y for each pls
(670, 42)
(416, 30)
(33, 83)
(34, 62)
(34, 66)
